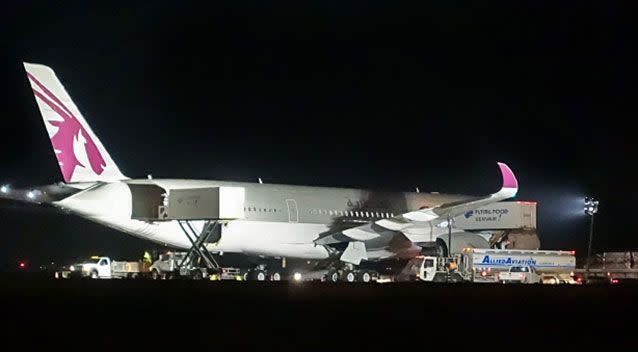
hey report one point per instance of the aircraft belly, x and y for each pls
(280, 239)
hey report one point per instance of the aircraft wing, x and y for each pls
(411, 222)
(407, 220)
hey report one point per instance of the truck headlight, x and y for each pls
(72, 268)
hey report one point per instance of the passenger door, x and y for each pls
(293, 213)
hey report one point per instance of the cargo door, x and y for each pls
(293, 213)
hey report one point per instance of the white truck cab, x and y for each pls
(428, 268)
(95, 267)
(439, 269)
(167, 264)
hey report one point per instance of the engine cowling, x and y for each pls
(461, 240)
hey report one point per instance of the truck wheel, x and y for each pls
(365, 277)
(94, 274)
(350, 276)
(155, 275)
(196, 275)
(276, 276)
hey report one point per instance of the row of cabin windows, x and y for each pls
(352, 213)
(348, 213)
(262, 210)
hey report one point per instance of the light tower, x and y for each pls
(591, 208)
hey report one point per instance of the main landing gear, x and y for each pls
(262, 273)
(348, 273)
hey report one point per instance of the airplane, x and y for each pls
(342, 225)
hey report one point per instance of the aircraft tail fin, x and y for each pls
(81, 156)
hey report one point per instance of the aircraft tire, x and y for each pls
(365, 277)
(349, 276)
(333, 276)
(260, 276)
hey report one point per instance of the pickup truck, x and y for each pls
(520, 274)
(103, 268)
(166, 265)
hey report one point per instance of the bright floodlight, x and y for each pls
(591, 206)
(4, 189)
(297, 277)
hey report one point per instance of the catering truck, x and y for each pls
(97, 267)
(499, 216)
(484, 265)
(505, 225)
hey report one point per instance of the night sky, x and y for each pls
(390, 97)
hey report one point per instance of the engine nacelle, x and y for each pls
(461, 240)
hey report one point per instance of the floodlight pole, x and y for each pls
(591, 237)
(449, 236)
(591, 207)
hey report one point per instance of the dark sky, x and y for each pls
(388, 96)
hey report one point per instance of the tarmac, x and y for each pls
(314, 315)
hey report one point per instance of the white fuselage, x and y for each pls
(279, 220)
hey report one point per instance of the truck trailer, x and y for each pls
(484, 265)
(97, 267)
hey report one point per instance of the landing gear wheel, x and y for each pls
(333, 276)
(260, 276)
(350, 276)
(276, 276)
(365, 277)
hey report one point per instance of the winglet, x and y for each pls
(509, 180)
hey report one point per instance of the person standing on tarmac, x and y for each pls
(453, 266)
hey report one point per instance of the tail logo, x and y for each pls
(70, 133)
